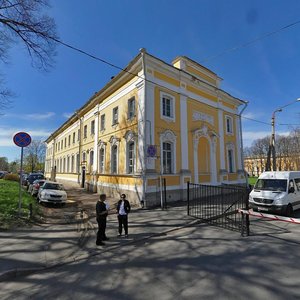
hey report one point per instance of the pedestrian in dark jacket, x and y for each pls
(101, 215)
(123, 209)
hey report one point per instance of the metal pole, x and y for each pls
(20, 185)
(273, 141)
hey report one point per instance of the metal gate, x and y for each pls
(218, 205)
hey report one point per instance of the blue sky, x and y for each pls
(266, 73)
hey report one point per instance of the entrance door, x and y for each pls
(82, 177)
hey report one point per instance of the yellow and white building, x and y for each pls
(153, 119)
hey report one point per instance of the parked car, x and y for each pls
(34, 188)
(52, 192)
(32, 177)
(2, 174)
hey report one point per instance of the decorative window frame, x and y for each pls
(93, 127)
(172, 102)
(102, 125)
(168, 136)
(101, 146)
(131, 113)
(115, 121)
(231, 147)
(85, 130)
(114, 142)
(231, 130)
(130, 137)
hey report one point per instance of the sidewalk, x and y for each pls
(24, 251)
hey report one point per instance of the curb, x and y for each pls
(19, 272)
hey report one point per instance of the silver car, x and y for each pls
(52, 192)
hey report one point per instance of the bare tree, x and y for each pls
(34, 156)
(23, 21)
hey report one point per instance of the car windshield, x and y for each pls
(53, 186)
(271, 184)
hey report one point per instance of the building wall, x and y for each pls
(195, 131)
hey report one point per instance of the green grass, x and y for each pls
(252, 180)
(9, 205)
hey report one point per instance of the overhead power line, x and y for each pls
(126, 71)
(244, 45)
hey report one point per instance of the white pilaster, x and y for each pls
(95, 159)
(184, 133)
(221, 139)
(141, 127)
(149, 112)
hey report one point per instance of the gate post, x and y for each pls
(188, 198)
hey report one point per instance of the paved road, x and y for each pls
(198, 262)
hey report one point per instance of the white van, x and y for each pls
(276, 192)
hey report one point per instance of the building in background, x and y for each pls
(152, 120)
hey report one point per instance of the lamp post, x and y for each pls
(272, 140)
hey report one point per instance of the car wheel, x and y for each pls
(289, 211)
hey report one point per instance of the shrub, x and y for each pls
(12, 177)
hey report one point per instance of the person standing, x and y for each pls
(123, 209)
(101, 215)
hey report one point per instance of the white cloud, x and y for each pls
(67, 115)
(250, 136)
(33, 117)
(7, 134)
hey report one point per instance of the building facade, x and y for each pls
(153, 120)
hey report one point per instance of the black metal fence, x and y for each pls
(219, 205)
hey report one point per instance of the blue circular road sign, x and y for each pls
(151, 150)
(22, 139)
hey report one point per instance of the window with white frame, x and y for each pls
(78, 135)
(74, 137)
(230, 158)
(68, 164)
(131, 108)
(101, 160)
(102, 122)
(115, 116)
(229, 125)
(114, 159)
(83, 157)
(64, 166)
(167, 158)
(167, 107)
(93, 127)
(130, 157)
(72, 164)
(91, 158)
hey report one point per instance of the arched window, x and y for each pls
(101, 160)
(130, 157)
(168, 152)
(114, 159)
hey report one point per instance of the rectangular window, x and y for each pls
(65, 142)
(69, 140)
(101, 160)
(229, 125)
(74, 137)
(230, 161)
(115, 116)
(72, 164)
(167, 108)
(93, 127)
(167, 158)
(78, 135)
(131, 108)
(85, 131)
(77, 163)
(102, 122)
(114, 159)
(130, 157)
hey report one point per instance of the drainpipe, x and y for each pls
(241, 137)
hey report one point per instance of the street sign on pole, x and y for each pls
(21, 139)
